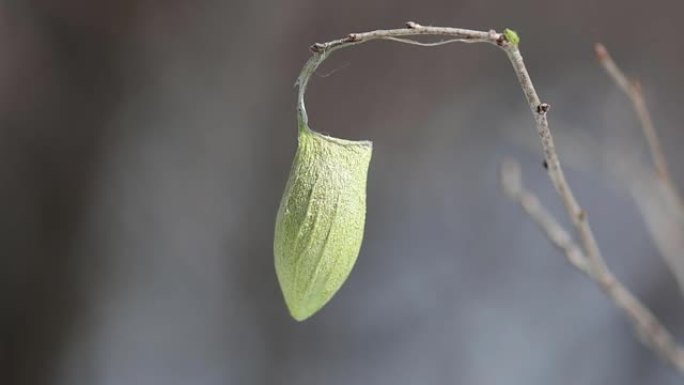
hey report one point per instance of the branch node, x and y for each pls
(412, 25)
(500, 39)
(582, 215)
(543, 108)
(317, 48)
(352, 37)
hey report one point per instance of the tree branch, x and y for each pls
(647, 326)
(511, 182)
(634, 91)
(588, 258)
(657, 197)
(321, 51)
(572, 207)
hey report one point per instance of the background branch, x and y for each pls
(655, 193)
(511, 182)
(634, 91)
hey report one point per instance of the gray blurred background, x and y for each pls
(144, 146)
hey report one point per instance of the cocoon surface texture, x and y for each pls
(320, 222)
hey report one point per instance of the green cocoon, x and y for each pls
(320, 222)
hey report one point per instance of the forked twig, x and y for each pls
(511, 182)
(648, 327)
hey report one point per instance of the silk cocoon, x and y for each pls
(320, 223)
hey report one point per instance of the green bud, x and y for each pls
(320, 222)
(511, 36)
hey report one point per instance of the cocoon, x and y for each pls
(320, 222)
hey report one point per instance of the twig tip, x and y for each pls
(601, 52)
(582, 215)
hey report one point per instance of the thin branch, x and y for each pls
(634, 91)
(591, 262)
(321, 51)
(539, 111)
(647, 326)
(511, 182)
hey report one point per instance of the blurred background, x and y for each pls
(144, 147)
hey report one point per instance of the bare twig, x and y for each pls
(647, 326)
(321, 51)
(658, 199)
(587, 259)
(511, 181)
(539, 110)
(634, 91)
